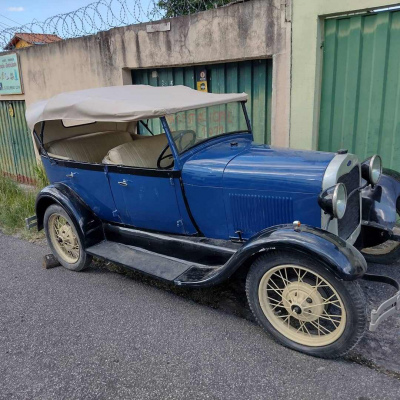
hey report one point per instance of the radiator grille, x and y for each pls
(351, 180)
(351, 219)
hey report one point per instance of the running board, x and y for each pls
(195, 250)
(154, 264)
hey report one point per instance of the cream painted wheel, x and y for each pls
(302, 305)
(64, 239)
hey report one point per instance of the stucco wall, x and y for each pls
(307, 27)
(249, 30)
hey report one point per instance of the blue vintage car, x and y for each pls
(168, 181)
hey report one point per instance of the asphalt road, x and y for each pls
(102, 335)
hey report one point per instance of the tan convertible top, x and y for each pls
(124, 103)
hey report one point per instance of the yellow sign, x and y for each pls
(202, 86)
(202, 80)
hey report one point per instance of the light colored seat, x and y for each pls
(142, 152)
(90, 148)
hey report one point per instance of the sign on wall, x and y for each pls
(10, 79)
(202, 81)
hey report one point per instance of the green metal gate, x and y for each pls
(253, 77)
(17, 156)
(360, 98)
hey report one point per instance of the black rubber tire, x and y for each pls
(384, 258)
(350, 293)
(84, 258)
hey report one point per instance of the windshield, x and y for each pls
(188, 128)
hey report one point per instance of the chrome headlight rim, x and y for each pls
(339, 201)
(374, 164)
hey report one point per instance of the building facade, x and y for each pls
(307, 65)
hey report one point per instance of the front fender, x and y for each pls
(380, 204)
(336, 255)
(89, 226)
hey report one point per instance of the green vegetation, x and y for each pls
(17, 202)
(175, 8)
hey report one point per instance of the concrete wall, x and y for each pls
(250, 30)
(307, 31)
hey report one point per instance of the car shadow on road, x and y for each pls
(379, 350)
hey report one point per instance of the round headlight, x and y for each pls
(375, 169)
(339, 200)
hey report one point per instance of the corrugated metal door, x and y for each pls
(360, 99)
(253, 77)
(17, 156)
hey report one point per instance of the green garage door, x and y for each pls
(253, 77)
(360, 99)
(17, 156)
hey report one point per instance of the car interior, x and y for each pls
(105, 143)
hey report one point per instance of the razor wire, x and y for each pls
(102, 15)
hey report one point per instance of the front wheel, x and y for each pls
(304, 306)
(63, 239)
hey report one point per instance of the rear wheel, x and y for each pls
(63, 239)
(304, 306)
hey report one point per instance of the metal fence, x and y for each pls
(102, 15)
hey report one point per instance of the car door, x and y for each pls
(89, 181)
(147, 199)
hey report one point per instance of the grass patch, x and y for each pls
(17, 202)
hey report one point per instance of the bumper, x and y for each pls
(389, 307)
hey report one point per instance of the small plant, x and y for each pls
(41, 177)
(15, 205)
(17, 202)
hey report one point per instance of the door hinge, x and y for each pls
(171, 181)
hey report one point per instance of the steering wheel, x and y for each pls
(178, 136)
(163, 157)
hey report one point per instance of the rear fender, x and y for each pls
(90, 228)
(380, 203)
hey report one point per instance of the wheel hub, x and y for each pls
(303, 301)
(66, 237)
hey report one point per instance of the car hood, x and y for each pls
(247, 165)
(277, 169)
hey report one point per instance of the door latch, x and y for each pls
(71, 175)
(123, 183)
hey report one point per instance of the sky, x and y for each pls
(24, 11)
